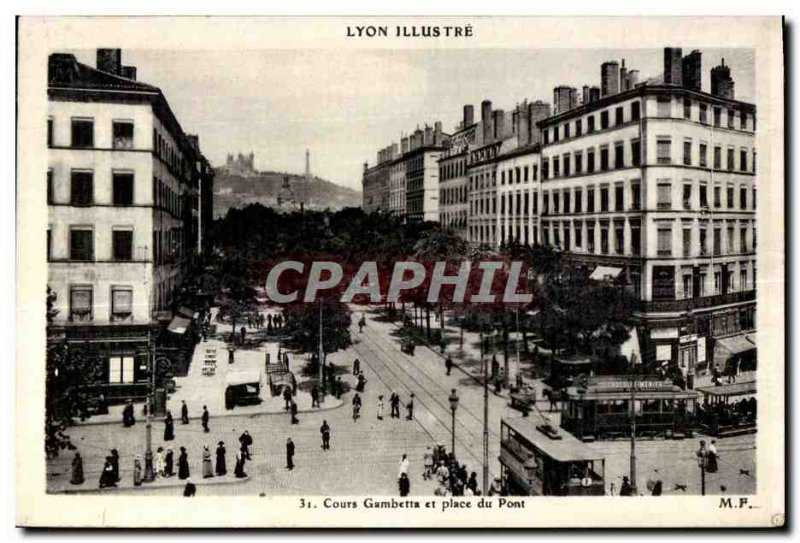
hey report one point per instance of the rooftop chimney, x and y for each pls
(128, 72)
(499, 122)
(486, 120)
(673, 66)
(609, 78)
(438, 141)
(721, 81)
(469, 115)
(692, 70)
(404, 145)
(109, 60)
(537, 111)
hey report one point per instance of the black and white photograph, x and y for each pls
(407, 276)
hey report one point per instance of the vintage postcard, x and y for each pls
(400, 272)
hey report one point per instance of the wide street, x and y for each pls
(365, 454)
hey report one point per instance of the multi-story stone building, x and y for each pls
(518, 190)
(125, 185)
(375, 183)
(453, 176)
(656, 185)
(415, 171)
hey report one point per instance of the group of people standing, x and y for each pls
(394, 404)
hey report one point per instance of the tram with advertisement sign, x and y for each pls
(601, 408)
(539, 460)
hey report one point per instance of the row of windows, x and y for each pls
(562, 236)
(664, 196)
(571, 200)
(567, 160)
(81, 244)
(518, 203)
(167, 244)
(452, 170)
(522, 174)
(81, 192)
(664, 155)
(82, 133)
(701, 236)
(665, 110)
(166, 198)
(575, 129)
(453, 195)
(81, 303)
(482, 180)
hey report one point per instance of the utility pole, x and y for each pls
(485, 426)
(321, 358)
(633, 432)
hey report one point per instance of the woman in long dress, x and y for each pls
(77, 470)
(107, 475)
(711, 459)
(207, 470)
(169, 463)
(169, 427)
(239, 469)
(160, 462)
(380, 407)
(221, 467)
(137, 470)
(183, 464)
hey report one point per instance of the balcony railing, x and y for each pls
(666, 306)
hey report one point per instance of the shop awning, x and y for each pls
(732, 389)
(602, 273)
(736, 344)
(179, 325)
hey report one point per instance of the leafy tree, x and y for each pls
(302, 323)
(73, 373)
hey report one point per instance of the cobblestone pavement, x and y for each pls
(364, 454)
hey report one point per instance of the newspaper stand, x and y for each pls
(210, 362)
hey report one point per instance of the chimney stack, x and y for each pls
(691, 68)
(499, 123)
(673, 66)
(633, 78)
(438, 140)
(721, 81)
(469, 115)
(609, 78)
(537, 111)
(404, 148)
(128, 72)
(486, 120)
(623, 77)
(109, 60)
(428, 135)
(523, 125)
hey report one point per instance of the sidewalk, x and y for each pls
(63, 486)
(209, 390)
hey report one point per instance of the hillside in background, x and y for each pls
(238, 190)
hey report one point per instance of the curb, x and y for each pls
(225, 414)
(199, 483)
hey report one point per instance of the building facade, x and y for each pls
(124, 190)
(405, 179)
(656, 185)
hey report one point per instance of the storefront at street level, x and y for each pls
(602, 406)
(125, 353)
(695, 333)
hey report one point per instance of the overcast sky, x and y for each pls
(345, 105)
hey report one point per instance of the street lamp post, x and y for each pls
(149, 473)
(453, 399)
(702, 459)
(321, 358)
